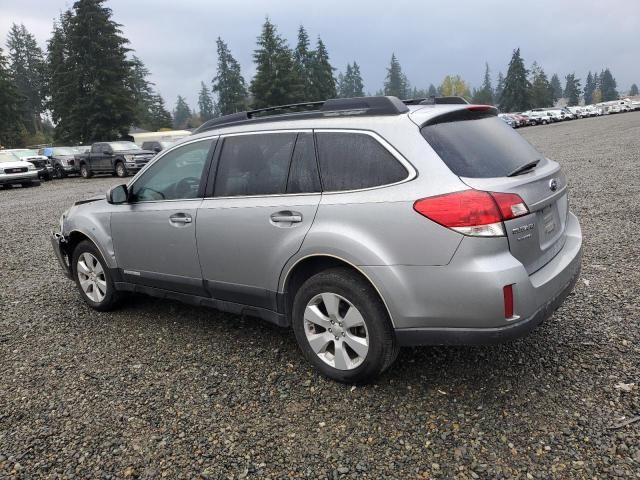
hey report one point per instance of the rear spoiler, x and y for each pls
(470, 112)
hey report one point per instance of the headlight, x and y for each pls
(129, 158)
(31, 166)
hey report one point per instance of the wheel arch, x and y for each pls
(75, 237)
(307, 266)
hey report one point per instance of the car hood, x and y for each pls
(16, 164)
(90, 200)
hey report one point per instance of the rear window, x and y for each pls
(479, 148)
(351, 161)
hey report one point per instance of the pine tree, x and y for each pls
(633, 91)
(95, 94)
(515, 96)
(396, 83)
(228, 83)
(497, 94)
(275, 80)
(11, 126)
(589, 88)
(142, 91)
(358, 83)
(433, 91)
(28, 70)
(159, 115)
(324, 85)
(608, 86)
(557, 87)
(572, 90)
(484, 95)
(345, 83)
(205, 103)
(303, 60)
(59, 70)
(181, 114)
(541, 93)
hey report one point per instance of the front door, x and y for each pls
(265, 197)
(154, 233)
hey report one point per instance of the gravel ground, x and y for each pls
(160, 389)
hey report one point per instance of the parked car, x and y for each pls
(42, 164)
(347, 223)
(155, 145)
(15, 171)
(118, 158)
(508, 119)
(62, 160)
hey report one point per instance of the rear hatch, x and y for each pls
(488, 155)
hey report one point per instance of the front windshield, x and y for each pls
(26, 153)
(8, 157)
(62, 151)
(120, 146)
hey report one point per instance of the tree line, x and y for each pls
(89, 85)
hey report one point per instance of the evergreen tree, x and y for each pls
(454, 86)
(228, 83)
(589, 88)
(275, 82)
(432, 92)
(557, 87)
(95, 91)
(357, 82)
(324, 85)
(633, 91)
(396, 83)
(484, 95)
(143, 94)
(608, 86)
(159, 115)
(28, 69)
(59, 70)
(345, 83)
(572, 90)
(515, 96)
(181, 114)
(497, 95)
(541, 93)
(11, 127)
(205, 103)
(303, 60)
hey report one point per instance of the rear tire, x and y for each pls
(93, 278)
(85, 172)
(342, 327)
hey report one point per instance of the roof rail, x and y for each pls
(451, 100)
(369, 106)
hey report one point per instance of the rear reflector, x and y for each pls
(508, 301)
(472, 212)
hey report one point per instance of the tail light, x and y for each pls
(473, 212)
(507, 292)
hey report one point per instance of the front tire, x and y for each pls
(59, 172)
(121, 170)
(342, 327)
(85, 172)
(92, 277)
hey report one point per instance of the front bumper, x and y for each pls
(16, 178)
(58, 243)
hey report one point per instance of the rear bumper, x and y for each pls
(58, 243)
(463, 302)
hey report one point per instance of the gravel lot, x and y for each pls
(160, 389)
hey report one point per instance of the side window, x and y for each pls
(350, 161)
(96, 147)
(255, 164)
(175, 176)
(303, 176)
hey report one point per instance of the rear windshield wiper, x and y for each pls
(524, 168)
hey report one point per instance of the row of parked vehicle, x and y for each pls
(27, 167)
(544, 116)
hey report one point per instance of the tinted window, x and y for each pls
(482, 148)
(254, 164)
(303, 177)
(175, 176)
(350, 161)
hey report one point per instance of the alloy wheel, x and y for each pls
(336, 331)
(91, 277)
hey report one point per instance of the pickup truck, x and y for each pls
(117, 158)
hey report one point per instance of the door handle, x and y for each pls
(286, 217)
(180, 218)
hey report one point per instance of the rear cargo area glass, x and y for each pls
(482, 148)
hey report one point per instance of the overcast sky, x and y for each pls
(176, 40)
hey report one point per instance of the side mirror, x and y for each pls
(106, 152)
(157, 149)
(118, 195)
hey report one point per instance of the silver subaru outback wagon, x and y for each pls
(364, 224)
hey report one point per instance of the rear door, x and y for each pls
(264, 199)
(487, 155)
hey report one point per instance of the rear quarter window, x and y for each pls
(353, 161)
(479, 148)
